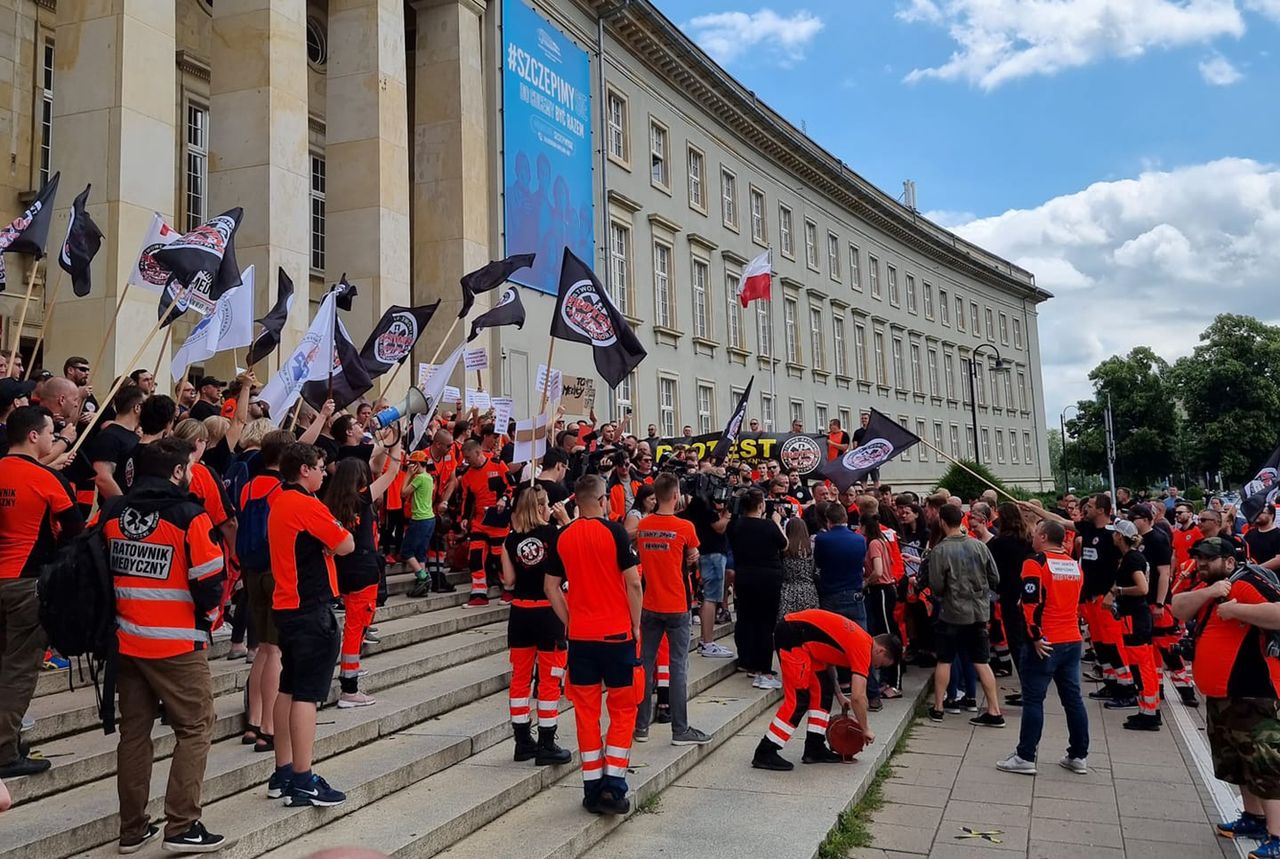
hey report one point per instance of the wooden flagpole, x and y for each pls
(51, 304)
(293, 416)
(955, 461)
(26, 304)
(546, 389)
(111, 327)
(164, 344)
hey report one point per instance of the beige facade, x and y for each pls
(364, 136)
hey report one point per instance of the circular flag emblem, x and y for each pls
(584, 312)
(801, 453)
(870, 455)
(395, 343)
(532, 551)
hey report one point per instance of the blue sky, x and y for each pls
(1124, 150)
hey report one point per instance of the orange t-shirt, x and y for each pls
(299, 529)
(1051, 584)
(31, 497)
(594, 554)
(832, 639)
(662, 542)
(211, 493)
(1182, 543)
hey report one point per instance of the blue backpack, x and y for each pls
(251, 532)
(239, 473)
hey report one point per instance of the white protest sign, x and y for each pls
(502, 412)
(475, 359)
(451, 394)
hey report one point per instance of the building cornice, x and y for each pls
(193, 65)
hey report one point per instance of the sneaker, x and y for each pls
(715, 651)
(350, 700)
(935, 715)
(281, 782)
(1268, 849)
(1142, 722)
(23, 765)
(1015, 764)
(1124, 702)
(1245, 826)
(477, 602)
(507, 597)
(970, 705)
(691, 737)
(641, 735)
(1106, 693)
(371, 637)
(607, 803)
(1079, 766)
(197, 839)
(952, 706)
(28, 722)
(875, 705)
(662, 714)
(1014, 700)
(768, 681)
(237, 651)
(986, 720)
(421, 588)
(313, 790)
(769, 759)
(55, 663)
(1188, 696)
(127, 847)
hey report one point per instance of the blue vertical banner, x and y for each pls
(548, 189)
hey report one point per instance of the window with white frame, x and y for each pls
(837, 342)
(784, 231)
(697, 170)
(846, 418)
(949, 370)
(986, 444)
(197, 172)
(729, 198)
(981, 381)
(911, 295)
(860, 351)
(733, 310)
(1013, 446)
(944, 307)
(789, 330)
(999, 445)
(934, 388)
(663, 308)
(318, 182)
(922, 431)
(1017, 332)
(617, 131)
(855, 268)
(699, 272)
(764, 329)
(905, 423)
(817, 344)
(766, 411)
(620, 267)
(1007, 381)
(975, 321)
(1022, 390)
(823, 416)
(833, 255)
(706, 408)
(991, 327)
(882, 371)
(960, 312)
(995, 391)
(659, 168)
(623, 396)
(895, 297)
(668, 403)
(1004, 329)
(797, 411)
(873, 272)
(899, 366)
(955, 441)
(46, 111)
(758, 231)
(1026, 448)
(917, 372)
(964, 375)
(937, 436)
(810, 244)
(928, 300)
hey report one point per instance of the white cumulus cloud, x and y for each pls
(998, 41)
(1148, 261)
(1270, 8)
(726, 36)
(1218, 71)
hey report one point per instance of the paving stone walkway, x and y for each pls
(1145, 794)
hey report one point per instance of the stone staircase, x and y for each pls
(427, 770)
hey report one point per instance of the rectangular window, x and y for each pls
(833, 255)
(986, 444)
(934, 388)
(658, 167)
(895, 298)
(955, 440)
(317, 212)
(46, 111)
(1026, 448)
(817, 347)
(811, 244)
(837, 343)
(701, 309)
(855, 268)
(620, 262)
(911, 295)
(1008, 390)
(1017, 332)
(1004, 329)
(971, 443)
(623, 396)
(797, 411)
(905, 423)
(991, 327)
(873, 272)
(668, 399)
(1013, 446)
(729, 199)
(198, 167)
(733, 310)
(928, 301)
(882, 372)
(981, 382)
(995, 391)
(964, 380)
(758, 231)
(784, 231)
(975, 321)
(706, 406)
(664, 313)
(899, 368)
(766, 412)
(1022, 390)
(923, 432)
(917, 372)
(944, 308)
(789, 330)
(949, 370)
(697, 169)
(959, 312)
(999, 445)
(846, 418)
(860, 352)
(617, 132)
(764, 329)
(937, 436)
(823, 416)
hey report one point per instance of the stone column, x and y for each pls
(450, 158)
(367, 150)
(114, 126)
(259, 157)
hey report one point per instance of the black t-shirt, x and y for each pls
(218, 457)
(359, 569)
(1009, 553)
(801, 493)
(556, 491)
(114, 445)
(533, 555)
(1263, 545)
(1098, 559)
(363, 452)
(329, 447)
(202, 410)
(757, 545)
(1158, 550)
(858, 435)
(703, 516)
(1132, 562)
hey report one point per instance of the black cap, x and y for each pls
(1213, 547)
(210, 380)
(1142, 511)
(12, 389)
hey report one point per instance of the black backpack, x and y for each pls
(239, 473)
(252, 548)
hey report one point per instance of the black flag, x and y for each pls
(1263, 489)
(392, 339)
(585, 314)
(883, 440)
(733, 427)
(273, 323)
(29, 232)
(345, 292)
(508, 311)
(81, 245)
(349, 381)
(489, 277)
(202, 265)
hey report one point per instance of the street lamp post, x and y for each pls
(997, 366)
(1062, 424)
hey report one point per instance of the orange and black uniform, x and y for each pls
(1099, 559)
(302, 532)
(833, 439)
(358, 575)
(482, 487)
(442, 471)
(1135, 623)
(535, 636)
(595, 554)
(622, 491)
(168, 575)
(37, 511)
(1183, 540)
(1231, 656)
(809, 642)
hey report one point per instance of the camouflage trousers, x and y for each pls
(1244, 739)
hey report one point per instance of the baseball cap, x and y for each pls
(12, 389)
(1125, 528)
(1213, 547)
(418, 456)
(210, 380)
(1142, 511)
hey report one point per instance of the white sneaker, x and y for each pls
(28, 722)
(222, 632)
(355, 699)
(715, 651)
(1079, 766)
(1015, 764)
(768, 681)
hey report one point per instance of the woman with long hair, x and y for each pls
(799, 576)
(757, 544)
(880, 589)
(913, 537)
(1010, 548)
(644, 503)
(350, 496)
(535, 636)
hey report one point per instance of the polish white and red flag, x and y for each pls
(757, 279)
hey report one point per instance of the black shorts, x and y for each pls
(259, 588)
(612, 663)
(969, 639)
(309, 643)
(535, 627)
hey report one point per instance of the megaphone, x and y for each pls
(414, 403)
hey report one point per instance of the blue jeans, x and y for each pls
(853, 605)
(711, 567)
(417, 536)
(1062, 667)
(964, 679)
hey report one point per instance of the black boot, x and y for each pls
(440, 582)
(1106, 693)
(1143, 722)
(526, 746)
(816, 751)
(1188, 695)
(550, 754)
(767, 758)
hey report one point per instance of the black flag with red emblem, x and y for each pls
(585, 314)
(29, 232)
(273, 323)
(490, 277)
(202, 265)
(80, 245)
(508, 311)
(392, 339)
(882, 441)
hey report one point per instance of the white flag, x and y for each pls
(311, 361)
(229, 326)
(530, 440)
(146, 272)
(438, 382)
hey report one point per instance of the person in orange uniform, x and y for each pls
(304, 536)
(442, 460)
(168, 576)
(1051, 585)
(622, 486)
(602, 612)
(37, 513)
(1186, 533)
(811, 644)
(486, 488)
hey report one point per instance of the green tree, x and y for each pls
(1229, 388)
(1054, 438)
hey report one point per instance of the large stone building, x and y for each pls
(366, 137)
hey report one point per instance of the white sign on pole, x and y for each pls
(502, 412)
(451, 394)
(475, 359)
(557, 381)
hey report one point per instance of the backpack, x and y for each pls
(252, 548)
(238, 475)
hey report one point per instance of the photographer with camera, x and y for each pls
(1235, 665)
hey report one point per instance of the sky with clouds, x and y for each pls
(1126, 151)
